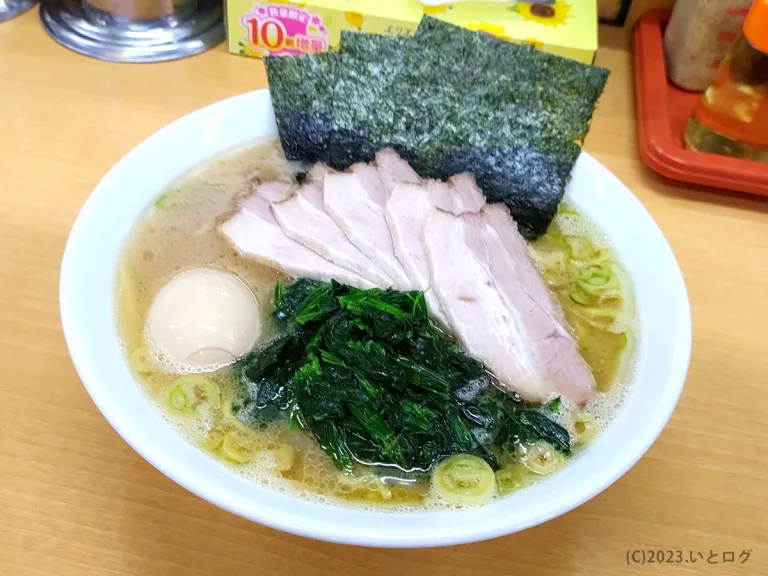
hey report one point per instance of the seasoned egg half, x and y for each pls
(201, 320)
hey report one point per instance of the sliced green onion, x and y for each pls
(597, 285)
(164, 201)
(230, 418)
(611, 300)
(554, 268)
(585, 427)
(464, 479)
(556, 278)
(625, 284)
(141, 360)
(599, 257)
(511, 479)
(541, 458)
(214, 438)
(586, 272)
(180, 400)
(552, 260)
(602, 318)
(184, 395)
(552, 241)
(579, 248)
(369, 484)
(598, 280)
(238, 447)
(579, 295)
(285, 456)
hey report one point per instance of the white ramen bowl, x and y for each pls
(87, 313)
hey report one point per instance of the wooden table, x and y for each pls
(76, 500)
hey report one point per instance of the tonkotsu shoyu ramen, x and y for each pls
(450, 366)
(391, 306)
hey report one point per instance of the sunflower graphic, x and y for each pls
(354, 19)
(552, 15)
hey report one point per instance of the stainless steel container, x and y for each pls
(11, 8)
(135, 30)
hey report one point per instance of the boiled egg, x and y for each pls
(202, 319)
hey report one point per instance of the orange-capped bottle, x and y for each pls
(732, 116)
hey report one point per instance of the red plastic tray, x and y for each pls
(662, 113)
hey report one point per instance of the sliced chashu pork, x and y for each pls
(442, 195)
(471, 303)
(533, 305)
(364, 223)
(316, 174)
(394, 170)
(499, 307)
(467, 194)
(459, 195)
(254, 233)
(303, 218)
(407, 211)
(273, 191)
(370, 179)
(368, 175)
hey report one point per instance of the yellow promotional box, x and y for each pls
(279, 27)
(563, 27)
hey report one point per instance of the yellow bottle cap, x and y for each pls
(756, 25)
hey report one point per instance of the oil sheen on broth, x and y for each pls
(178, 233)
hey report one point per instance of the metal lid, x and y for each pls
(125, 31)
(12, 8)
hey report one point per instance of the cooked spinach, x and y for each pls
(372, 378)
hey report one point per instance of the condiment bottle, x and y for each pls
(732, 116)
(697, 38)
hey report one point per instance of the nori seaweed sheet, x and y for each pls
(302, 96)
(490, 119)
(448, 100)
(367, 66)
(330, 106)
(567, 93)
(442, 102)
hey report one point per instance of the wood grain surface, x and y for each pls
(76, 500)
